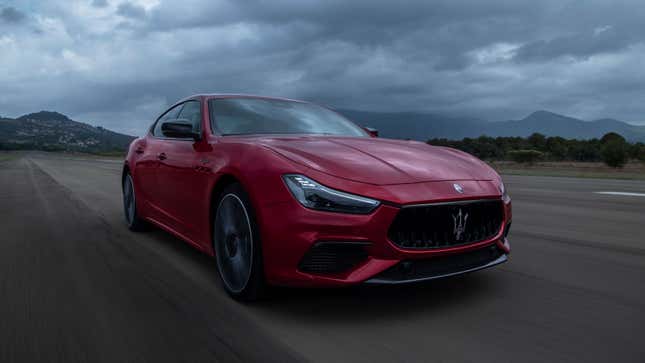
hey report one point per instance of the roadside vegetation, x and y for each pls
(8, 155)
(612, 149)
(608, 157)
(632, 170)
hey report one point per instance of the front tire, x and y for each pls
(135, 223)
(236, 241)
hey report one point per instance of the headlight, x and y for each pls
(505, 197)
(315, 196)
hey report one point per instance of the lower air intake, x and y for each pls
(333, 257)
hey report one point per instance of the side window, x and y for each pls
(193, 113)
(169, 115)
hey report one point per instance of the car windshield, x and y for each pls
(244, 116)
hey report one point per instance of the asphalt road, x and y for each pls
(76, 285)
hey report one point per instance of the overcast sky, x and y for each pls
(118, 63)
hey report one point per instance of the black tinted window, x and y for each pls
(235, 116)
(192, 112)
(169, 115)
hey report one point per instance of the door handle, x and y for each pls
(161, 156)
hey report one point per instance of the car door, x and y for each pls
(147, 164)
(181, 178)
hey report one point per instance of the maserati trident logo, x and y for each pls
(458, 188)
(459, 221)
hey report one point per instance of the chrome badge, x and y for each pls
(458, 188)
(459, 221)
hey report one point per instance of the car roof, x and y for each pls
(209, 96)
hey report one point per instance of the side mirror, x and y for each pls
(371, 131)
(179, 128)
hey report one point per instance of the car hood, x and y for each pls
(379, 161)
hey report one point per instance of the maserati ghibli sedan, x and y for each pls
(286, 192)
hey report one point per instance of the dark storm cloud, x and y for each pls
(130, 10)
(120, 62)
(582, 45)
(336, 14)
(10, 14)
(446, 27)
(99, 3)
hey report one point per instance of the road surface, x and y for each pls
(77, 286)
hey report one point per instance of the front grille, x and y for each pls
(333, 257)
(442, 266)
(446, 224)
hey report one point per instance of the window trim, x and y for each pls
(199, 103)
(182, 104)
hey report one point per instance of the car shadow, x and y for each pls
(384, 301)
(355, 303)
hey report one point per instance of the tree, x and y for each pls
(487, 148)
(612, 136)
(609, 148)
(557, 148)
(525, 156)
(614, 150)
(537, 141)
(639, 153)
(584, 150)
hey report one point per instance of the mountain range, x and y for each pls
(424, 126)
(46, 130)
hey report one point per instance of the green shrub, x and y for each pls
(639, 151)
(614, 153)
(525, 156)
(554, 148)
(612, 136)
(537, 141)
(557, 148)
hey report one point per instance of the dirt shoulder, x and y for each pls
(633, 170)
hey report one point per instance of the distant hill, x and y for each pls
(424, 126)
(48, 130)
(416, 126)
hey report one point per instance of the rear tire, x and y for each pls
(135, 223)
(237, 245)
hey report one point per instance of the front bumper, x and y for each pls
(440, 267)
(290, 231)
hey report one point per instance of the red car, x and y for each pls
(285, 192)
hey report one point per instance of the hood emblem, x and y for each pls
(458, 188)
(459, 224)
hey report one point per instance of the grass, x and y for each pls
(9, 155)
(632, 171)
(111, 154)
(97, 155)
